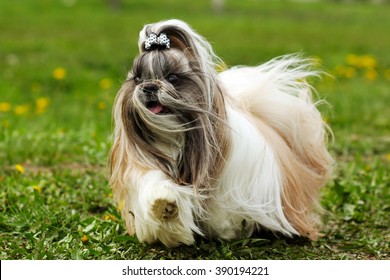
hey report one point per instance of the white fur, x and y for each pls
(143, 190)
(250, 186)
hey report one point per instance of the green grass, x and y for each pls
(61, 206)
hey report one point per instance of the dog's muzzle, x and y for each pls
(149, 97)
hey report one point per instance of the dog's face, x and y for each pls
(165, 85)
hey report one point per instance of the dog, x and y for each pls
(197, 151)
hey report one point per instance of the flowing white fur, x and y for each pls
(250, 186)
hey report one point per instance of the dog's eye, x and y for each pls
(172, 78)
(137, 80)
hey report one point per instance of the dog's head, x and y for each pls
(171, 108)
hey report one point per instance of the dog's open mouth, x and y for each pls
(157, 108)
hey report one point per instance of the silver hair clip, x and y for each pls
(157, 42)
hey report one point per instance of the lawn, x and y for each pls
(62, 62)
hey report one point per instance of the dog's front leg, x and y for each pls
(163, 210)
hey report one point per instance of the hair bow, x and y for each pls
(159, 42)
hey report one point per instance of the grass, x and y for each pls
(62, 63)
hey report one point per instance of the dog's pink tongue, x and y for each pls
(156, 109)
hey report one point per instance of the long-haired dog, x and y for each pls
(197, 152)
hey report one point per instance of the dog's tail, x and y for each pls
(278, 97)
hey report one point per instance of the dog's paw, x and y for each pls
(165, 215)
(165, 210)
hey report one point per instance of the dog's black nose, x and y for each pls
(150, 88)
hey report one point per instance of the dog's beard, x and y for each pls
(172, 120)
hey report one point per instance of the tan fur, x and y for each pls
(300, 186)
(306, 164)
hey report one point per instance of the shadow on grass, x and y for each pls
(263, 245)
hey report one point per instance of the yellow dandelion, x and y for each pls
(20, 168)
(5, 107)
(84, 239)
(21, 109)
(108, 217)
(362, 61)
(102, 105)
(371, 74)
(41, 105)
(388, 157)
(59, 73)
(368, 61)
(352, 59)
(105, 83)
(37, 188)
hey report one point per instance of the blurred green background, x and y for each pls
(62, 62)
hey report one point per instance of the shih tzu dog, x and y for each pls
(219, 155)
